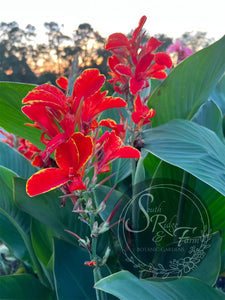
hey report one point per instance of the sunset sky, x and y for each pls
(171, 17)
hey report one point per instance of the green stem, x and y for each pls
(182, 201)
(96, 271)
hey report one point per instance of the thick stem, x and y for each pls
(182, 201)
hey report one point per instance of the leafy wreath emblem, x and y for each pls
(179, 267)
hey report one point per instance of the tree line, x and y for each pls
(22, 59)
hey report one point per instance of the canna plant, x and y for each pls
(77, 164)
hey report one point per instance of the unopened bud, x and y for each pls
(90, 264)
(95, 230)
(106, 256)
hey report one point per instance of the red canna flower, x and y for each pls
(120, 129)
(133, 64)
(142, 114)
(109, 148)
(71, 157)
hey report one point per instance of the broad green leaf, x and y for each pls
(42, 240)
(122, 169)
(46, 208)
(73, 280)
(189, 85)
(8, 208)
(126, 286)
(13, 160)
(11, 117)
(19, 219)
(24, 287)
(12, 239)
(190, 147)
(210, 116)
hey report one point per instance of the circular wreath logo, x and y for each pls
(165, 230)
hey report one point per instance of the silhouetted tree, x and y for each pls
(90, 46)
(166, 41)
(55, 39)
(13, 63)
(196, 40)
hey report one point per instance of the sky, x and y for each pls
(171, 17)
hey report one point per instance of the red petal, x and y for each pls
(123, 70)
(112, 102)
(108, 123)
(67, 156)
(136, 117)
(54, 143)
(139, 28)
(113, 61)
(39, 114)
(89, 82)
(144, 63)
(136, 86)
(119, 128)
(77, 184)
(68, 124)
(163, 59)
(117, 40)
(159, 75)
(153, 44)
(128, 152)
(98, 103)
(111, 146)
(47, 95)
(62, 82)
(45, 180)
(85, 147)
(137, 103)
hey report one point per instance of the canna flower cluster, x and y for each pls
(133, 64)
(70, 120)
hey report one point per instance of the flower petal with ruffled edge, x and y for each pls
(45, 180)
(117, 40)
(98, 103)
(47, 95)
(43, 118)
(87, 84)
(111, 149)
(119, 128)
(142, 114)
